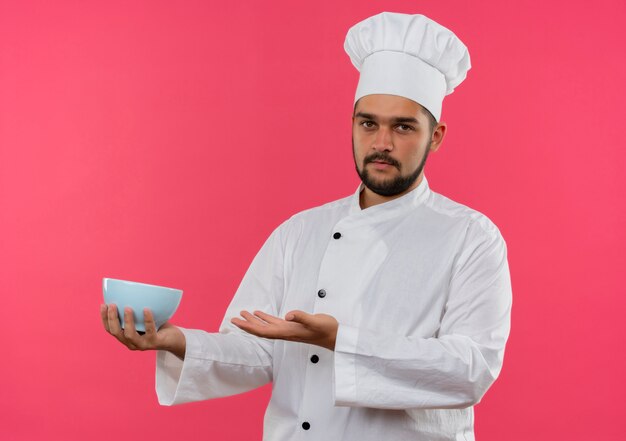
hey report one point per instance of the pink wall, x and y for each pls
(163, 141)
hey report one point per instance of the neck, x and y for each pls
(368, 198)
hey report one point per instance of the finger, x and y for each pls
(246, 326)
(239, 322)
(254, 325)
(104, 316)
(114, 321)
(129, 325)
(253, 319)
(267, 318)
(150, 324)
(299, 317)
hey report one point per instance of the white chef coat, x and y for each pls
(421, 290)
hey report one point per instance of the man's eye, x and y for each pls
(404, 128)
(367, 124)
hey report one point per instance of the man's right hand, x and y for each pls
(167, 338)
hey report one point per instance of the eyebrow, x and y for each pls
(394, 119)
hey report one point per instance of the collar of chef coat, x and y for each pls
(391, 209)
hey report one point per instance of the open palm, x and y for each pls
(316, 329)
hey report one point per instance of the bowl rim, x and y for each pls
(104, 280)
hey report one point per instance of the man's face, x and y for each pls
(391, 138)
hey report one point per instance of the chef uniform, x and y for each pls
(419, 285)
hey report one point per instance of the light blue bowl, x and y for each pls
(162, 301)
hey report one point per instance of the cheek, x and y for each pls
(358, 157)
(357, 137)
(359, 146)
(412, 153)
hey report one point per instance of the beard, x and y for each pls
(393, 186)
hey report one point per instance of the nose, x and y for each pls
(382, 141)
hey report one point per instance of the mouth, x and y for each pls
(381, 166)
(381, 163)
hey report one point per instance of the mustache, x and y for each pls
(381, 157)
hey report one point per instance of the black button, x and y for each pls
(336, 235)
(306, 426)
(314, 359)
(321, 293)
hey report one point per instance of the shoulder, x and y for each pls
(479, 248)
(448, 211)
(327, 211)
(315, 218)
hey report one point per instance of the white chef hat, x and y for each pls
(409, 56)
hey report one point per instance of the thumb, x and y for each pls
(298, 317)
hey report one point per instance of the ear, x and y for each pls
(438, 134)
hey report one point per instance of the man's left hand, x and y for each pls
(315, 329)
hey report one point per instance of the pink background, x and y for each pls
(163, 141)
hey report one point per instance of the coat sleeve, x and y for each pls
(451, 370)
(231, 361)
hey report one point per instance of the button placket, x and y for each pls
(327, 299)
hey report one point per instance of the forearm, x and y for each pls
(394, 372)
(215, 365)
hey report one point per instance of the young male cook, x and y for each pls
(380, 316)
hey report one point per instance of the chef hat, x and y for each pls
(407, 55)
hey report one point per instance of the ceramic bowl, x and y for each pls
(162, 301)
